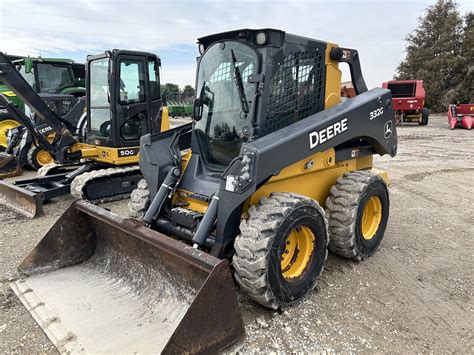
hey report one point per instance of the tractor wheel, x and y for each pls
(357, 209)
(281, 249)
(6, 123)
(139, 200)
(37, 157)
(424, 117)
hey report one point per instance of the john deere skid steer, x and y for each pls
(273, 170)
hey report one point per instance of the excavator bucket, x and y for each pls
(99, 283)
(9, 166)
(21, 200)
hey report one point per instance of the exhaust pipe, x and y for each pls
(100, 283)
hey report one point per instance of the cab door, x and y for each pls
(156, 103)
(131, 100)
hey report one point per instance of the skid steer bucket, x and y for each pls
(9, 166)
(99, 283)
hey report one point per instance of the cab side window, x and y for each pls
(132, 82)
(154, 80)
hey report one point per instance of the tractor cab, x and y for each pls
(52, 75)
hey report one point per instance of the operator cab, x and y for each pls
(121, 110)
(241, 95)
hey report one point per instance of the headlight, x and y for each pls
(65, 107)
(201, 48)
(261, 38)
(53, 106)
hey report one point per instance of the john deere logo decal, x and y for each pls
(388, 129)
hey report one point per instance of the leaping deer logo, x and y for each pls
(388, 129)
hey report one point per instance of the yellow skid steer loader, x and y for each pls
(273, 171)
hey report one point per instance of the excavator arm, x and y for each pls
(16, 83)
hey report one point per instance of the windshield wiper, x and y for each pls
(240, 85)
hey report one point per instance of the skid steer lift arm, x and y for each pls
(16, 83)
(267, 156)
(351, 57)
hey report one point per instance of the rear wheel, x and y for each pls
(424, 117)
(139, 200)
(281, 249)
(6, 124)
(38, 157)
(357, 209)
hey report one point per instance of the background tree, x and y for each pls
(464, 92)
(172, 91)
(188, 92)
(434, 54)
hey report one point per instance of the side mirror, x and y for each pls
(197, 109)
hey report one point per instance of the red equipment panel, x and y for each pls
(407, 95)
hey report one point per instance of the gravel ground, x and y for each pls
(415, 294)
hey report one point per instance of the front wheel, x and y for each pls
(38, 157)
(139, 200)
(281, 249)
(6, 124)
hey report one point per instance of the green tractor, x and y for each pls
(46, 76)
(180, 108)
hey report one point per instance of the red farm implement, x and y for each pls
(461, 116)
(408, 98)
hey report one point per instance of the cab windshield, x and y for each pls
(52, 78)
(226, 96)
(99, 98)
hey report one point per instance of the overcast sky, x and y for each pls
(76, 28)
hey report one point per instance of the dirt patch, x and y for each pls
(9, 216)
(420, 176)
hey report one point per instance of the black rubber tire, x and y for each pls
(259, 247)
(4, 115)
(139, 200)
(31, 157)
(424, 117)
(345, 206)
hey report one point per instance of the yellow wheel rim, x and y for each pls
(43, 158)
(5, 126)
(298, 250)
(371, 217)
